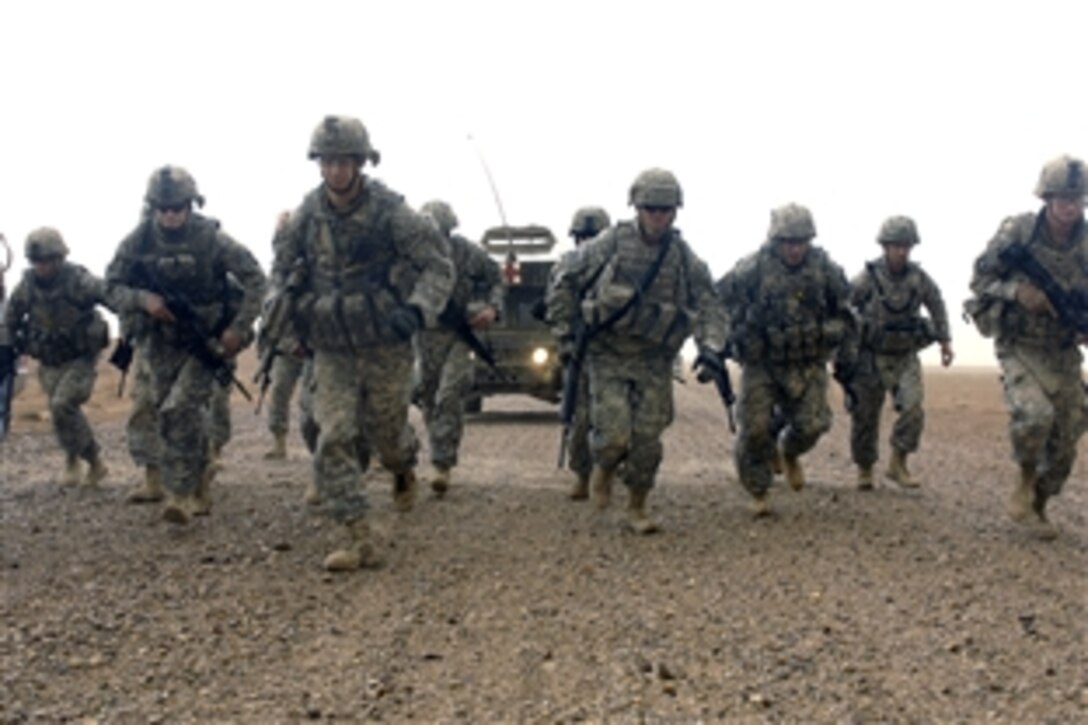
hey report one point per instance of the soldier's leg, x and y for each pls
(286, 370)
(185, 438)
(1061, 447)
(142, 433)
(755, 444)
(580, 458)
(63, 417)
(339, 481)
(865, 426)
(809, 417)
(446, 424)
(610, 420)
(387, 375)
(1031, 418)
(652, 412)
(219, 430)
(75, 387)
(907, 432)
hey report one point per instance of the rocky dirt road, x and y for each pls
(506, 602)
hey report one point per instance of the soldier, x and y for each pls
(52, 317)
(445, 365)
(588, 222)
(179, 264)
(888, 296)
(363, 273)
(1033, 259)
(789, 312)
(644, 291)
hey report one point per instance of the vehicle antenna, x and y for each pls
(494, 192)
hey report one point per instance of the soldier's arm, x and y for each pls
(425, 248)
(710, 323)
(240, 262)
(17, 306)
(934, 304)
(861, 289)
(571, 273)
(121, 293)
(990, 280)
(490, 278)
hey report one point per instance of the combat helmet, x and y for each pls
(1063, 176)
(45, 243)
(589, 221)
(342, 136)
(442, 214)
(656, 187)
(898, 230)
(791, 221)
(171, 186)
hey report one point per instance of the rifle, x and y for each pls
(720, 375)
(454, 318)
(1071, 305)
(278, 316)
(586, 332)
(8, 370)
(195, 332)
(121, 358)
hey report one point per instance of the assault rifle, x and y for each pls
(121, 358)
(454, 317)
(197, 335)
(8, 371)
(1071, 305)
(719, 373)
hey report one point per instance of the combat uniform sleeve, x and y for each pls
(934, 303)
(90, 290)
(122, 297)
(990, 281)
(422, 245)
(240, 262)
(732, 296)
(489, 278)
(710, 323)
(841, 312)
(18, 304)
(861, 289)
(571, 274)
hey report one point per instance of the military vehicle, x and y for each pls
(526, 354)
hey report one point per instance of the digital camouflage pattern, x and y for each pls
(342, 136)
(1039, 356)
(45, 243)
(589, 221)
(286, 371)
(893, 331)
(362, 267)
(1063, 176)
(656, 187)
(784, 326)
(629, 365)
(198, 262)
(171, 186)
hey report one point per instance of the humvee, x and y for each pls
(526, 354)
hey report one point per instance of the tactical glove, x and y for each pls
(406, 321)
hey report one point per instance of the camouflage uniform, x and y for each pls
(893, 331)
(1038, 352)
(372, 274)
(55, 321)
(445, 364)
(286, 370)
(193, 261)
(587, 223)
(785, 324)
(630, 362)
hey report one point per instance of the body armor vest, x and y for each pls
(60, 326)
(1069, 269)
(893, 320)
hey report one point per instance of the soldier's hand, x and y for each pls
(1034, 299)
(707, 365)
(155, 306)
(483, 319)
(947, 356)
(231, 342)
(406, 321)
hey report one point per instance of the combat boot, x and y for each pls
(865, 478)
(404, 490)
(1023, 495)
(152, 490)
(795, 473)
(358, 553)
(897, 470)
(580, 490)
(72, 471)
(1040, 524)
(440, 482)
(777, 466)
(637, 518)
(761, 505)
(601, 483)
(202, 500)
(96, 471)
(312, 497)
(180, 509)
(278, 452)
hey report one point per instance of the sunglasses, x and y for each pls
(649, 209)
(173, 208)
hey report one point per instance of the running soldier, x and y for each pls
(789, 310)
(178, 263)
(445, 364)
(888, 296)
(1031, 295)
(627, 301)
(52, 317)
(362, 274)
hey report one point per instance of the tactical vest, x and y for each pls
(191, 266)
(893, 321)
(355, 277)
(60, 326)
(789, 319)
(664, 314)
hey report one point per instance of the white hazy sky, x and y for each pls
(941, 110)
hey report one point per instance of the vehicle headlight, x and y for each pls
(540, 356)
